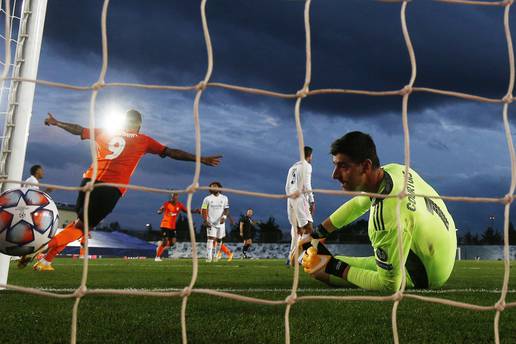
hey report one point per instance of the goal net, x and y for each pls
(404, 92)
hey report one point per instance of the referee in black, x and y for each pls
(246, 232)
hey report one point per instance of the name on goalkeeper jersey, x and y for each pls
(411, 190)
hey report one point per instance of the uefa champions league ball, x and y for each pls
(28, 220)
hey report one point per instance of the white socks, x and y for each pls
(209, 249)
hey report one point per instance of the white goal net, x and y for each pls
(403, 92)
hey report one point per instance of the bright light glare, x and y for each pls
(113, 119)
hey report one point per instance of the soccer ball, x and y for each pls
(28, 220)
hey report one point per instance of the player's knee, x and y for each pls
(390, 284)
(79, 224)
(436, 283)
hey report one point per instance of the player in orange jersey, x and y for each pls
(118, 155)
(170, 210)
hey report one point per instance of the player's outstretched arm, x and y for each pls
(73, 129)
(347, 213)
(178, 154)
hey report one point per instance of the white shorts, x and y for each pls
(218, 232)
(299, 209)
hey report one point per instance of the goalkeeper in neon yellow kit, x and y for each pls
(429, 238)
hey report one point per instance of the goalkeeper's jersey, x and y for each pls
(429, 238)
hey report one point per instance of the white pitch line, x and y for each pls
(158, 265)
(287, 290)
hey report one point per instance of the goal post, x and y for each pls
(18, 110)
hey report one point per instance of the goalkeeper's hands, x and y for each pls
(307, 240)
(312, 262)
(303, 243)
(319, 262)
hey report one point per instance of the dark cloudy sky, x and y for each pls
(458, 146)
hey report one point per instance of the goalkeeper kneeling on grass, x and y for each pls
(429, 236)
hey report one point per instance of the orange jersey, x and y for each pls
(118, 154)
(170, 213)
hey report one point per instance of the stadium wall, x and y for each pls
(261, 250)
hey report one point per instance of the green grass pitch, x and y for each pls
(118, 319)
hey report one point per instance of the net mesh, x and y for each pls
(404, 92)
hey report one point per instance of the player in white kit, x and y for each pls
(300, 209)
(215, 209)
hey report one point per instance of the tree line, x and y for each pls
(270, 232)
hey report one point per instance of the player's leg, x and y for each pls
(301, 208)
(221, 234)
(439, 264)
(247, 246)
(162, 244)
(171, 243)
(244, 249)
(82, 250)
(69, 234)
(226, 251)
(249, 243)
(216, 250)
(212, 233)
(158, 251)
(102, 201)
(293, 228)
(293, 242)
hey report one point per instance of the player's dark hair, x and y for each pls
(34, 169)
(133, 118)
(358, 146)
(217, 184)
(308, 151)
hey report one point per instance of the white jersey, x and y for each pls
(34, 180)
(298, 181)
(215, 205)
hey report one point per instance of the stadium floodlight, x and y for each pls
(114, 118)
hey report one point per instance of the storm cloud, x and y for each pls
(458, 146)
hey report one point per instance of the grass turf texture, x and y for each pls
(136, 319)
